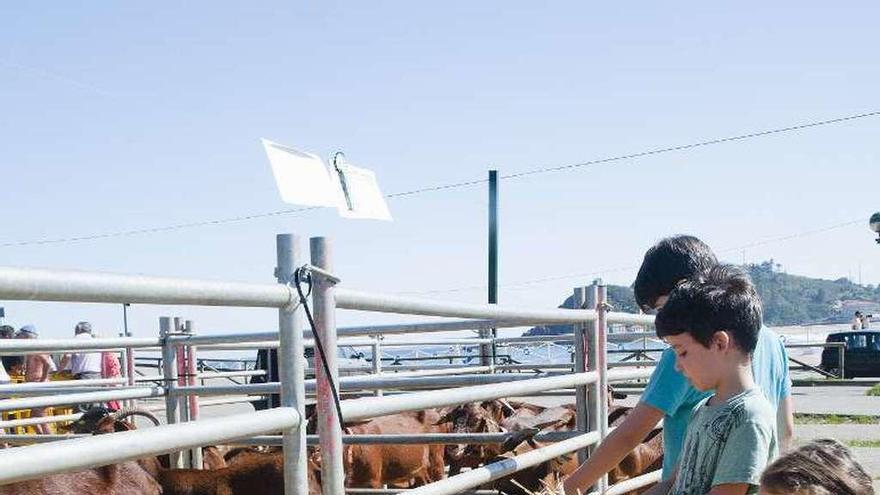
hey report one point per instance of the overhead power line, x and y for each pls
(586, 275)
(453, 185)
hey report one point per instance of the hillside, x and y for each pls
(788, 299)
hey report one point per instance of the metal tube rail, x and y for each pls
(376, 353)
(536, 366)
(291, 360)
(600, 327)
(207, 375)
(36, 461)
(352, 383)
(329, 420)
(18, 347)
(579, 299)
(169, 374)
(445, 438)
(17, 388)
(15, 423)
(70, 389)
(37, 284)
(631, 484)
(388, 303)
(32, 438)
(478, 476)
(210, 402)
(565, 337)
(373, 439)
(271, 344)
(355, 409)
(633, 364)
(80, 398)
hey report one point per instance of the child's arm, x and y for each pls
(620, 442)
(785, 423)
(730, 489)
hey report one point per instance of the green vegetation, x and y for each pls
(792, 299)
(788, 299)
(871, 444)
(874, 391)
(835, 419)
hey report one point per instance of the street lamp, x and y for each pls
(874, 223)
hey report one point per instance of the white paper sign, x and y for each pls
(361, 196)
(302, 178)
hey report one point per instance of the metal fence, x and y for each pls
(427, 387)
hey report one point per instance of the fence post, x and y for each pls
(123, 359)
(196, 454)
(329, 431)
(580, 366)
(182, 402)
(291, 368)
(597, 396)
(169, 372)
(601, 326)
(128, 363)
(377, 359)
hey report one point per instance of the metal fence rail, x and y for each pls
(450, 384)
(81, 453)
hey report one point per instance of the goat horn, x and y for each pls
(127, 412)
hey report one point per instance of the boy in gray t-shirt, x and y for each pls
(712, 324)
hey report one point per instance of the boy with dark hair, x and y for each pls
(666, 264)
(712, 323)
(669, 396)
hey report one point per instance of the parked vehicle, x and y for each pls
(861, 357)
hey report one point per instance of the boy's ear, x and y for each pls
(722, 340)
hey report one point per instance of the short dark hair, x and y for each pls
(667, 263)
(721, 298)
(822, 466)
(7, 332)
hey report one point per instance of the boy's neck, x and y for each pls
(736, 381)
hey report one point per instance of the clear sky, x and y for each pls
(119, 116)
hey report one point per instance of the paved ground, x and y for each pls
(835, 400)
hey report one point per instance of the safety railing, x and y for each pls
(445, 387)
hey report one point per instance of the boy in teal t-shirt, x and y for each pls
(669, 391)
(713, 325)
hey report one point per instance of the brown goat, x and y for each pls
(371, 466)
(126, 478)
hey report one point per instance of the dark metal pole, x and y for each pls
(489, 351)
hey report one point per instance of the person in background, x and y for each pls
(36, 370)
(821, 467)
(866, 321)
(110, 368)
(83, 365)
(857, 321)
(8, 364)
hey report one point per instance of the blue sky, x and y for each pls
(128, 116)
